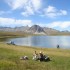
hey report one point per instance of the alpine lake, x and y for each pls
(42, 41)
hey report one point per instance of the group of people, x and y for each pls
(40, 56)
(37, 56)
(12, 43)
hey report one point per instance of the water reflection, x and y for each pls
(43, 41)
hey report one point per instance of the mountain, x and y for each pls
(50, 31)
(35, 29)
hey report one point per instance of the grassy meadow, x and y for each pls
(10, 57)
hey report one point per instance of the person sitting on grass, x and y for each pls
(40, 56)
(43, 57)
(35, 56)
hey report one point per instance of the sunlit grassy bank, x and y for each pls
(10, 58)
(5, 35)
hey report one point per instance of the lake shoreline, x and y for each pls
(43, 41)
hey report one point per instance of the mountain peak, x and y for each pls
(36, 28)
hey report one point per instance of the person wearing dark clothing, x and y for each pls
(41, 56)
(58, 46)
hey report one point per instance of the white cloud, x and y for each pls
(29, 6)
(16, 4)
(60, 24)
(14, 22)
(64, 12)
(53, 12)
(36, 4)
(50, 9)
(28, 12)
(10, 22)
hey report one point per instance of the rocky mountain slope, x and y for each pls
(35, 29)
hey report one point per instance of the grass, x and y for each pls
(60, 34)
(10, 58)
(5, 35)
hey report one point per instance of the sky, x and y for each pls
(48, 13)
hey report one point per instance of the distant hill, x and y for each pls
(35, 29)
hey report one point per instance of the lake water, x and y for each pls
(43, 41)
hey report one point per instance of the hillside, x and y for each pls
(35, 29)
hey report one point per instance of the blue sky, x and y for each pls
(50, 13)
